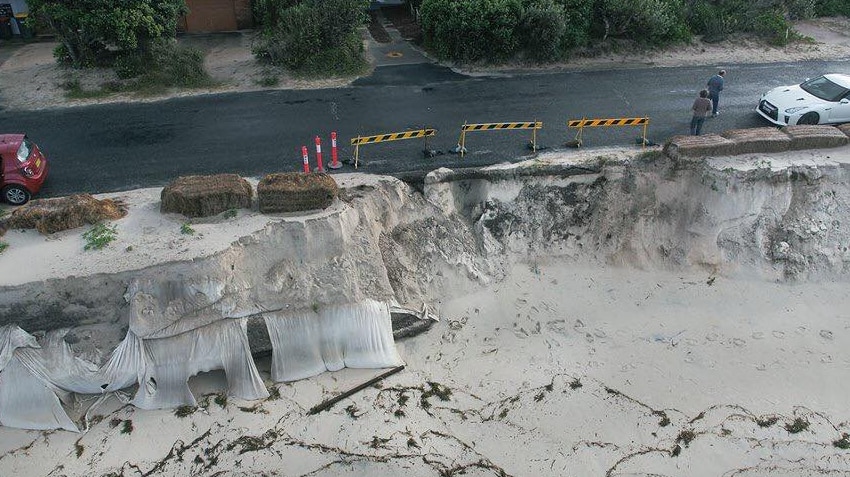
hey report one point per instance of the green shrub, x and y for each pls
(99, 236)
(171, 65)
(541, 29)
(773, 27)
(649, 22)
(831, 8)
(312, 37)
(472, 30)
(578, 15)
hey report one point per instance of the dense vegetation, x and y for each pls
(550, 30)
(311, 37)
(135, 37)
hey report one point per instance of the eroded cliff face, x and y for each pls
(789, 223)
(381, 241)
(387, 242)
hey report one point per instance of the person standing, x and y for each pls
(702, 108)
(715, 86)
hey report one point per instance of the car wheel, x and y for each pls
(809, 118)
(16, 195)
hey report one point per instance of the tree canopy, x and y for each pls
(90, 29)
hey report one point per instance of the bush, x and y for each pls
(312, 37)
(644, 21)
(171, 65)
(578, 15)
(773, 27)
(831, 8)
(542, 29)
(471, 30)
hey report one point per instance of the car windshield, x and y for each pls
(24, 151)
(824, 89)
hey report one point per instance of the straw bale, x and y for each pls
(204, 196)
(698, 146)
(294, 192)
(757, 140)
(815, 137)
(54, 215)
(845, 128)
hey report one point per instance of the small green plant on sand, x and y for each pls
(221, 399)
(127, 428)
(187, 229)
(844, 442)
(230, 213)
(799, 425)
(99, 236)
(3, 246)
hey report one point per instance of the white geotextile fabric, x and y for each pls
(305, 344)
(170, 362)
(34, 377)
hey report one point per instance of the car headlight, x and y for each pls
(795, 109)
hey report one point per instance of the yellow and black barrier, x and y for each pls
(580, 124)
(533, 125)
(396, 136)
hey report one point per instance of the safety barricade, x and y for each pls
(533, 125)
(396, 136)
(580, 124)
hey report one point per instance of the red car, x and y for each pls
(23, 168)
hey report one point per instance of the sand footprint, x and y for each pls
(779, 334)
(758, 335)
(826, 334)
(739, 342)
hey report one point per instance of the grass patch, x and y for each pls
(575, 384)
(799, 425)
(187, 229)
(78, 448)
(3, 246)
(229, 213)
(99, 236)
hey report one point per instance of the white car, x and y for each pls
(821, 100)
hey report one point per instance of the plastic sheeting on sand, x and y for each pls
(34, 377)
(37, 377)
(307, 343)
(170, 362)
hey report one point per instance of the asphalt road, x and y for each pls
(108, 148)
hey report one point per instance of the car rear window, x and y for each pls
(824, 89)
(24, 150)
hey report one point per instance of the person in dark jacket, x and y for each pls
(702, 108)
(715, 86)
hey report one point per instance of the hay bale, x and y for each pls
(294, 192)
(203, 196)
(757, 140)
(697, 146)
(815, 137)
(54, 215)
(844, 128)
